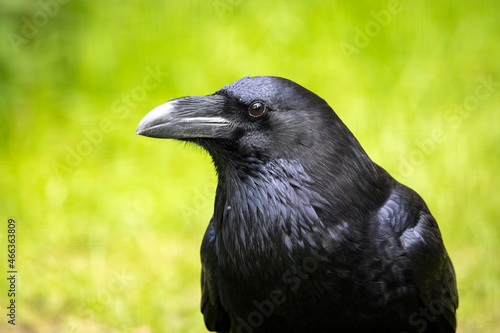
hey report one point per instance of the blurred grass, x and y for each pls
(110, 224)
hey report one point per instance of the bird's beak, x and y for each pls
(187, 118)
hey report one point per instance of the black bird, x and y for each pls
(308, 233)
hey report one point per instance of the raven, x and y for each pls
(308, 233)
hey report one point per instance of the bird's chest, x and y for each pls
(264, 245)
(269, 240)
(259, 275)
(261, 249)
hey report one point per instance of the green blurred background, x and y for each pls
(109, 224)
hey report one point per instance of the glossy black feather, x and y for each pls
(308, 234)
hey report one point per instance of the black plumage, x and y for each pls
(308, 234)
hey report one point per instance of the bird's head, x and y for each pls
(261, 117)
(264, 122)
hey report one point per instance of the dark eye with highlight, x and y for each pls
(257, 109)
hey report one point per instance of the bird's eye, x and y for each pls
(257, 109)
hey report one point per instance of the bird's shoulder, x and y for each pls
(406, 218)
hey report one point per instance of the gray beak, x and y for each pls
(187, 118)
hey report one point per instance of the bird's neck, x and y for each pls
(267, 209)
(271, 215)
(276, 206)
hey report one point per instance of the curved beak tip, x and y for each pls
(154, 117)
